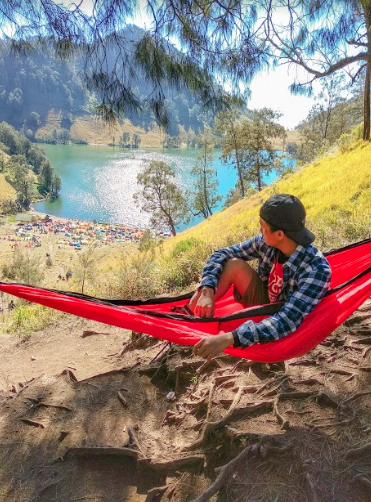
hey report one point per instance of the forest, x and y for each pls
(26, 169)
(36, 81)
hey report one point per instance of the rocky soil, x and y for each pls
(90, 412)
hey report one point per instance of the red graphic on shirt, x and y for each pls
(275, 281)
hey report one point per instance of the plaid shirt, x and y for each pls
(306, 278)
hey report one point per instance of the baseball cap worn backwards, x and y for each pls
(287, 213)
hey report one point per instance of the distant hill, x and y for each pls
(37, 87)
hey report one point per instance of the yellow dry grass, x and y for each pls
(94, 131)
(336, 190)
(7, 192)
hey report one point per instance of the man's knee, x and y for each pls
(237, 266)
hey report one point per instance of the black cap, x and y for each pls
(287, 213)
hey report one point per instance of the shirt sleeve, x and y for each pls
(247, 250)
(312, 286)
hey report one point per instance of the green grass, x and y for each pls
(25, 319)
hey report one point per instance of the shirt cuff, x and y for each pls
(206, 286)
(243, 336)
(236, 340)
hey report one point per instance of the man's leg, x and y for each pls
(249, 286)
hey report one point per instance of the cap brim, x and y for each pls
(303, 237)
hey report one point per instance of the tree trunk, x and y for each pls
(206, 195)
(366, 107)
(239, 170)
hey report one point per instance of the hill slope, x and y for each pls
(86, 410)
(7, 192)
(336, 190)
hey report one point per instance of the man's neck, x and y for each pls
(287, 247)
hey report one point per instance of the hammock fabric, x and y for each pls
(350, 287)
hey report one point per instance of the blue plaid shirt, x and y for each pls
(306, 278)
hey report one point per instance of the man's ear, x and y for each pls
(280, 234)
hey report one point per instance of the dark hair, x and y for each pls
(273, 228)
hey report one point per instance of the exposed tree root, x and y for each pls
(313, 493)
(236, 434)
(357, 318)
(337, 371)
(358, 452)
(133, 439)
(89, 332)
(225, 472)
(356, 396)
(69, 374)
(303, 362)
(307, 381)
(173, 464)
(285, 424)
(122, 399)
(361, 478)
(273, 384)
(109, 373)
(156, 492)
(87, 451)
(231, 415)
(166, 346)
(33, 423)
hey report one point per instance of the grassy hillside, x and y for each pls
(336, 190)
(94, 131)
(7, 192)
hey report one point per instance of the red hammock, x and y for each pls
(350, 287)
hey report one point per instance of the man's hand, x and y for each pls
(202, 302)
(213, 345)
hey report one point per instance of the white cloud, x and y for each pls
(271, 89)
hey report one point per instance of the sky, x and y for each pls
(271, 89)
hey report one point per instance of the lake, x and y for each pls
(98, 182)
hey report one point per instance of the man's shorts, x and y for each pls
(255, 294)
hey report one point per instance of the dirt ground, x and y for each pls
(90, 412)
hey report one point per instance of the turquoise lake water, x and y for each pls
(98, 182)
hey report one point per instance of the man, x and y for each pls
(290, 270)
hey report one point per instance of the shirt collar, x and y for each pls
(293, 259)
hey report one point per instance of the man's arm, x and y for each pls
(213, 345)
(247, 251)
(311, 289)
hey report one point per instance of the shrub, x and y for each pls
(345, 142)
(185, 246)
(26, 318)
